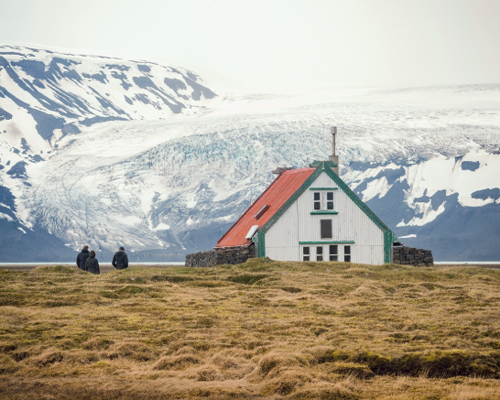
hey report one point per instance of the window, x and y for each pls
(329, 200)
(334, 252)
(326, 228)
(305, 254)
(261, 212)
(317, 201)
(319, 253)
(323, 201)
(347, 253)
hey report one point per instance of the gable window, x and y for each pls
(323, 201)
(305, 254)
(317, 200)
(347, 253)
(326, 228)
(334, 252)
(319, 253)
(329, 200)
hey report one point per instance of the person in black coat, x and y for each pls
(82, 257)
(120, 260)
(92, 265)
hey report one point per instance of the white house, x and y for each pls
(310, 214)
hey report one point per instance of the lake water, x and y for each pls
(467, 262)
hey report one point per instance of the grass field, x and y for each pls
(262, 329)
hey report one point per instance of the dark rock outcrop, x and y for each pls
(411, 256)
(236, 255)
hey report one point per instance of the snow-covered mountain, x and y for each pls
(45, 96)
(168, 172)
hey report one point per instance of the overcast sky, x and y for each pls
(278, 43)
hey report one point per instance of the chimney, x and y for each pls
(280, 170)
(334, 157)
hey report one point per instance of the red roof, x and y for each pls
(274, 196)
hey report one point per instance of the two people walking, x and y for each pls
(86, 260)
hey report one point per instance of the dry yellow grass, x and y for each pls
(262, 329)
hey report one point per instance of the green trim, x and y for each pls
(323, 212)
(389, 236)
(334, 242)
(389, 239)
(323, 188)
(261, 244)
(356, 199)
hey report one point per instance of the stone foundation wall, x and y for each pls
(410, 256)
(211, 258)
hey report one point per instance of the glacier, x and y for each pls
(111, 152)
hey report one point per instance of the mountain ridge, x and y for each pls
(165, 183)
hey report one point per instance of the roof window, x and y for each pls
(261, 212)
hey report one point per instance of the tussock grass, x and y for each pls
(262, 329)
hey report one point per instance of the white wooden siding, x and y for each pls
(351, 223)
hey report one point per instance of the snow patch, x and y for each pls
(227, 218)
(129, 220)
(442, 172)
(6, 216)
(161, 227)
(429, 215)
(378, 187)
(191, 202)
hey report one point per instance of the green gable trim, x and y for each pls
(323, 212)
(376, 220)
(331, 242)
(389, 236)
(389, 239)
(318, 188)
(261, 244)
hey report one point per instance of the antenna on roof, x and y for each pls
(334, 157)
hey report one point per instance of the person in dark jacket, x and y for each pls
(120, 260)
(92, 264)
(82, 257)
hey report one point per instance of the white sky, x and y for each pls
(278, 44)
